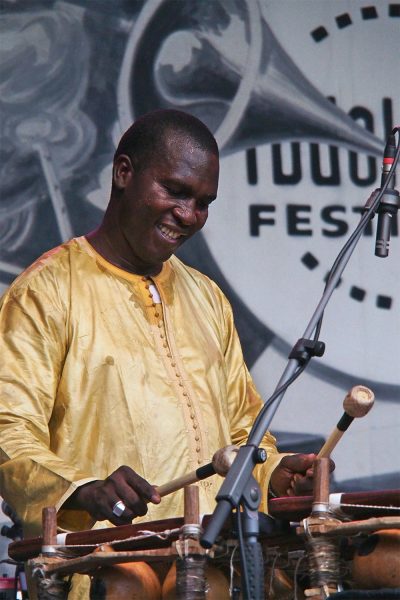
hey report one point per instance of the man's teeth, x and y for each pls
(171, 234)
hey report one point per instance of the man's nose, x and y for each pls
(186, 213)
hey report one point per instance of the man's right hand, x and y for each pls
(99, 497)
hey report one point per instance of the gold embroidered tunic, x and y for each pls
(95, 374)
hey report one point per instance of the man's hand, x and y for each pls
(124, 484)
(294, 475)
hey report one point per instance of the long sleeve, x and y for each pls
(94, 376)
(33, 345)
(245, 404)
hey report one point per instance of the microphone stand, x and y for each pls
(239, 487)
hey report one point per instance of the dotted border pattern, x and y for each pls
(344, 20)
(356, 293)
(319, 34)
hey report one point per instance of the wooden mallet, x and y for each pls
(221, 462)
(357, 403)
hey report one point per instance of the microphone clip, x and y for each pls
(304, 349)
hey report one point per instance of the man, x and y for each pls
(121, 367)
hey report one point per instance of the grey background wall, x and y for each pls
(301, 96)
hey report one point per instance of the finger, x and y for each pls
(122, 520)
(103, 508)
(135, 506)
(295, 479)
(133, 490)
(115, 506)
(298, 463)
(140, 486)
(304, 485)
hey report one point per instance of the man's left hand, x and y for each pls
(294, 475)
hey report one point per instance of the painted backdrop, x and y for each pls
(301, 96)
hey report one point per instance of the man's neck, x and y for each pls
(100, 241)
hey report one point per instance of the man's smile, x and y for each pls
(169, 233)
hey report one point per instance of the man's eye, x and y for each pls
(175, 192)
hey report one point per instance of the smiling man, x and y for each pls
(121, 367)
(162, 188)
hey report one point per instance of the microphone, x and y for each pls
(390, 201)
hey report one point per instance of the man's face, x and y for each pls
(163, 204)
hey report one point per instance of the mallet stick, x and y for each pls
(221, 462)
(357, 403)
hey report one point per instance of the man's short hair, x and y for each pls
(144, 140)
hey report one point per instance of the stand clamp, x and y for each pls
(304, 349)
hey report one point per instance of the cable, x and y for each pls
(370, 211)
(277, 393)
(366, 217)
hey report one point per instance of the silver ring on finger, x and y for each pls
(118, 508)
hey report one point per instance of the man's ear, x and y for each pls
(122, 171)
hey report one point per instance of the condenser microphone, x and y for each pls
(389, 204)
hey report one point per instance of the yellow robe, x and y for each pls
(94, 375)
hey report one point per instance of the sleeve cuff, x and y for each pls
(74, 520)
